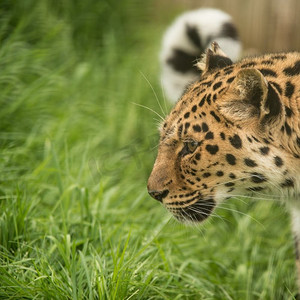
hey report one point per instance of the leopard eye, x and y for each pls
(189, 147)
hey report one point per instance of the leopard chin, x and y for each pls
(195, 213)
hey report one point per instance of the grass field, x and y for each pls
(76, 221)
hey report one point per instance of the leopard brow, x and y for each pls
(169, 133)
(182, 135)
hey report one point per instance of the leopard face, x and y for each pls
(233, 133)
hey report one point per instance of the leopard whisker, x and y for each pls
(164, 95)
(262, 197)
(249, 177)
(146, 107)
(155, 94)
(241, 213)
(154, 147)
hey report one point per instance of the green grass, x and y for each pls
(75, 218)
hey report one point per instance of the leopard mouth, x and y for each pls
(196, 212)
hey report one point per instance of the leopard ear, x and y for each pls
(251, 97)
(213, 59)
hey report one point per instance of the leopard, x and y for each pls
(235, 131)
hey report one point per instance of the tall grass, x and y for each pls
(75, 218)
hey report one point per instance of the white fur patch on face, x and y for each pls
(186, 40)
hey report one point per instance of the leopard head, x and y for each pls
(218, 140)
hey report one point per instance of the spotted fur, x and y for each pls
(236, 131)
(184, 42)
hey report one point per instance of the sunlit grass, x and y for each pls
(75, 218)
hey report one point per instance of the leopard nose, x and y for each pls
(158, 195)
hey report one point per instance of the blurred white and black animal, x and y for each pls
(187, 39)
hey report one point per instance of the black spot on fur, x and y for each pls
(264, 150)
(221, 90)
(207, 83)
(249, 64)
(222, 135)
(249, 162)
(217, 118)
(298, 141)
(197, 128)
(194, 108)
(228, 70)
(207, 174)
(231, 159)
(268, 72)
(229, 184)
(289, 89)
(186, 127)
(186, 115)
(198, 156)
(287, 128)
(294, 70)
(180, 130)
(229, 80)
(279, 56)
(288, 183)
(204, 127)
(288, 112)
(201, 103)
(236, 141)
(190, 181)
(278, 161)
(258, 177)
(232, 176)
(217, 85)
(182, 62)
(196, 89)
(212, 149)
(268, 62)
(220, 173)
(200, 92)
(217, 75)
(229, 30)
(208, 99)
(209, 136)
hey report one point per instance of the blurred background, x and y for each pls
(264, 26)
